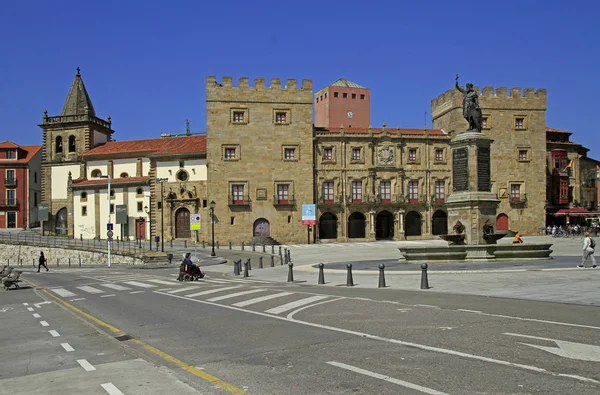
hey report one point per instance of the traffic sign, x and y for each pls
(109, 226)
(109, 234)
(309, 215)
(195, 222)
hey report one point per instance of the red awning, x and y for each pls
(575, 212)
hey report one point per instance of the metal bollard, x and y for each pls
(279, 250)
(171, 243)
(424, 281)
(321, 274)
(242, 246)
(69, 262)
(264, 248)
(290, 273)
(217, 243)
(249, 263)
(185, 244)
(272, 249)
(246, 264)
(56, 262)
(289, 252)
(230, 245)
(349, 280)
(33, 262)
(272, 260)
(260, 264)
(281, 260)
(203, 246)
(79, 260)
(381, 276)
(235, 268)
(253, 247)
(285, 258)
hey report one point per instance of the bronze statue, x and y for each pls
(471, 110)
(458, 228)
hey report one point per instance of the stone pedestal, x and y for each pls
(471, 202)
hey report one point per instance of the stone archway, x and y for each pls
(439, 223)
(413, 224)
(384, 226)
(261, 228)
(502, 222)
(60, 223)
(182, 224)
(356, 226)
(328, 223)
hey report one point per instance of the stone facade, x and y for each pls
(260, 158)
(517, 123)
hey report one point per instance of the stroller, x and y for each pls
(190, 273)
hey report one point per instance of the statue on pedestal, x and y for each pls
(471, 110)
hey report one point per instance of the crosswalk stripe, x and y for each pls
(92, 290)
(63, 292)
(297, 303)
(138, 284)
(116, 287)
(261, 299)
(234, 295)
(181, 290)
(212, 291)
(161, 282)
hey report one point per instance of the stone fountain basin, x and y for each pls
(485, 252)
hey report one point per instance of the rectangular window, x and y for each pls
(238, 116)
(412, 154)
(140, 207)
(83, 211)
(328, 192)
(280, 117)
(35, 177)
(354, 95)
(335, 94)
(10, 177)
(35, 199)
(440, 191)
(10, 154)
(355, 153)
(283, 194)
(237, 194)
(515, 192)
(362, 97)
(11, 197)
(327, 153)
(344, 95)
(289, 153)
(385, 191)
(439, 154)
(229, 153)
(413, 191)
(484, 123)
(519, 123)
(522, 154)
(356, 191)
(325, 95)
(112, 208)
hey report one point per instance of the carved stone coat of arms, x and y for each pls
(385, 156)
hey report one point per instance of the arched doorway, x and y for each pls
(328, 226)
(262, 228)
(502, 222)
(356, 226)
(384, 225)
(413, 224)
(182, 224)
(60, 223)
(439, 223)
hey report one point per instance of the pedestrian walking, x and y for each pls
(42, 262)
(589, 246)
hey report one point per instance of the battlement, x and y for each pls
(490, 97)
(226, 91)
(259, 83)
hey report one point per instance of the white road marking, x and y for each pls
(36, 315)
(532, 319)
(212, 291)
(296, 303)
(111, 389)
(261, 299)
(62, 292)
(136, 292)
(41, 303)
(161, 282)
(428, 305)
(393, 341)
(54, 333)
(116, 287)
(25, 304)
(182, 290)
(91, 290)
(236, 294)
(44, 323)
(387, 378)
(138, 284)
(571, 350)
(75, 300)
(67, 347)
(86, 365)
(30, 309)
(107, 296)
(470, 311)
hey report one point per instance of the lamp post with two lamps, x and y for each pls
(212, 221)
(149, 214)
(109, 230)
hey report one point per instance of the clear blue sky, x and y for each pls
(145, 63)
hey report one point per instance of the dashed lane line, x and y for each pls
(88, 367)
(111, 389)
(54, 333)
(67, 347)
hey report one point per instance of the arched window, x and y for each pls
(96, 173)
(58, 145)
(72, 144)
(124, 175)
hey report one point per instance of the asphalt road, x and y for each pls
(229, 335)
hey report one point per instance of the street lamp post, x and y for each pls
(162, 213)
(212, 221)
(108, 240)
(149, 213)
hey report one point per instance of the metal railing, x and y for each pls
(9, 202)
(10, 181)
(290, 201)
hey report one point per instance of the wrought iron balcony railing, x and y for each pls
(279, 201)
(10, 182)
(244, 201)
(9, 202)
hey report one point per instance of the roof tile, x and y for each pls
(153, 147)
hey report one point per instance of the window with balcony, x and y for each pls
(328, 153)
(328, 192)
(412, 154)
(413, 191)
(10, 178)
(440, 191)
(385, 191)
(439, 154)
(356, 153)
(237, 194)
(515, 192)
(283, 194)
(356, 191)
(11, 197)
